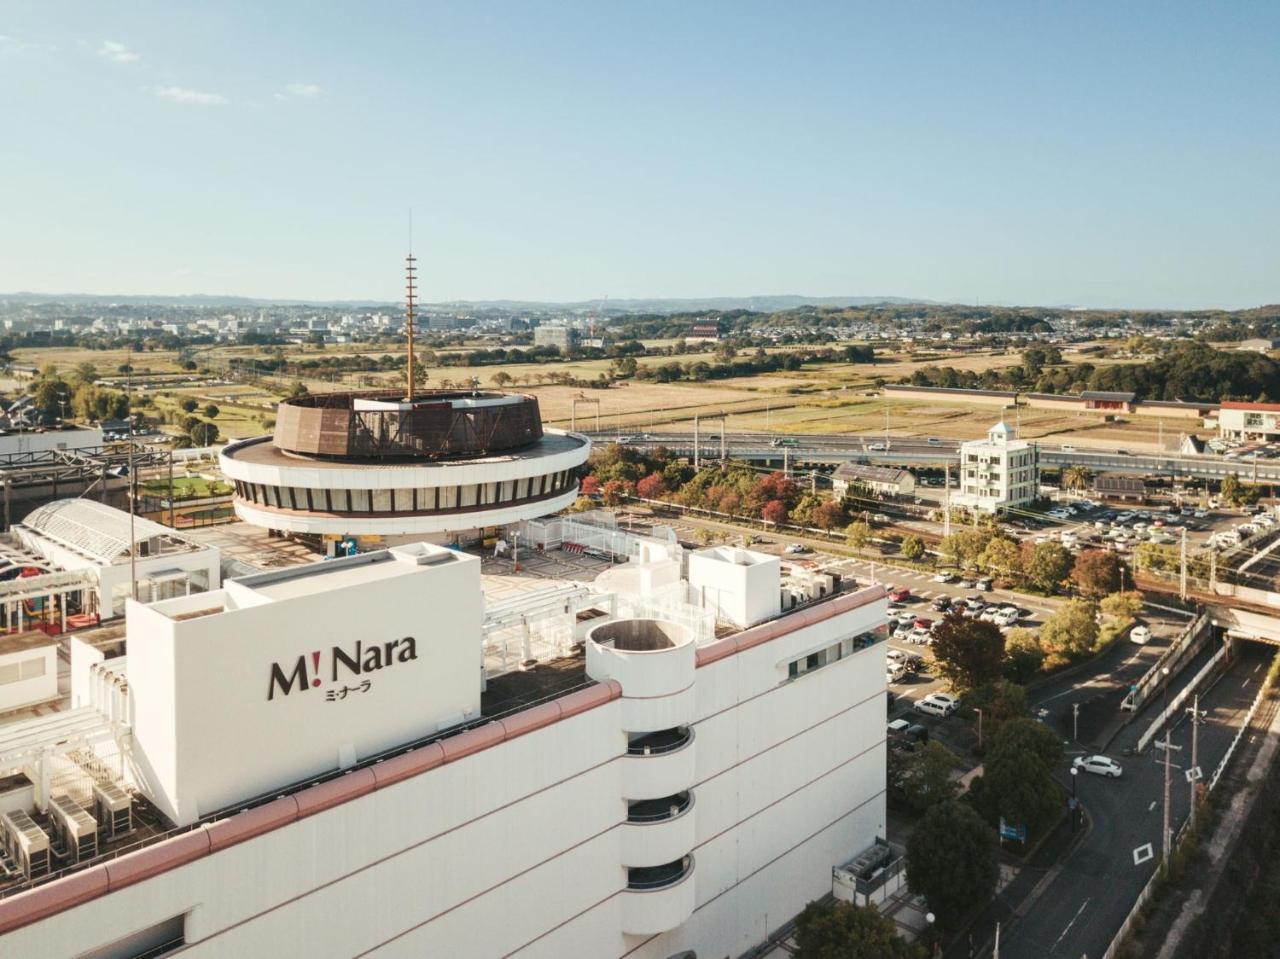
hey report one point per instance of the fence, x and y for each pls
(1170, 658)
(1178, 700)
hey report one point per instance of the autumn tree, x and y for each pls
(774, 511)
(969, 652)
(651, 486)
(1097, 572)
(1001, 556)
(827, 516)
(590, 485)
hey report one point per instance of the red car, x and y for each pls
(923, 623)
(900, 595)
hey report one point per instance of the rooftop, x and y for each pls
(99, 532)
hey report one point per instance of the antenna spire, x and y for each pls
(410, 297)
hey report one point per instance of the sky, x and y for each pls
(1090, 154)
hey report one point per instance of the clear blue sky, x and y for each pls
(1036, 153)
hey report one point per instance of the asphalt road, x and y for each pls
(1084, 905)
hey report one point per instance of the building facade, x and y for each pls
(880, 480)
(1249, 422)
(681, 796)
(999, 472)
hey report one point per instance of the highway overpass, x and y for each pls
(914, 452)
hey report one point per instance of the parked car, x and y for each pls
(1098, 765)
(984, 585)
(796, 548)
(931, 706)
(898, 726)
(900, 595)
(941, 604)
(965, 584)
(944, 577)
(924, 623)
(1140, 635)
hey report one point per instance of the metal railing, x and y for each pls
(666, 741)
(659, 810)
(649, 878)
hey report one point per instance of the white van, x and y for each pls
(931, 707)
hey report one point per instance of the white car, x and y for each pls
(936, 704)
(1098, 765)
(945, 699)
(943, 578)
(1006, 617)
(1140, 635)
(898, 726)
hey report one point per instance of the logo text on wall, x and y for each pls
(312, 670)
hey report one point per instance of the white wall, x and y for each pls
(742, 586)
(205, 682)
(35, 689)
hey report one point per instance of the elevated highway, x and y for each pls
(937, 453)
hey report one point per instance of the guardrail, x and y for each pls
(1248, 718)
(1145, 739)
(1150, 680)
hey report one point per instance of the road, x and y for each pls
(1080, 911)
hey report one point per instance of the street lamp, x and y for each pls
(930, 918)
(978, 710)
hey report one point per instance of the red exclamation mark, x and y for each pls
(315, 659)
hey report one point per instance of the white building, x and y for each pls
(881, 480)
(93, 539)
(350, 788)
(999, 472)
(1249, 422)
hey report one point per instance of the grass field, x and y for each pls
(826, 398)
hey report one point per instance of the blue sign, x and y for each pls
(1013, 832)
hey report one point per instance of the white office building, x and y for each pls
(317, 762)
(999, 472)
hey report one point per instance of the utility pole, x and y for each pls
(786, 462)
(133, 484)
(886, 425)
(1167, 837)
(724, 449)
(1075, 722)
(1195, 757)
(813, 481)
(1213, 570)
(697, 449)
(946, 500)
(1182, 575)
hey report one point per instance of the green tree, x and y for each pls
(188, 404)
(1121, 605)
(922, 778)
(1096, 572)
(951, 861)
(1046, 564)
(211, 410)
(1072, 631)
(912, 547)
(501, 378)
(969, 652)
(53, 396)
(1000, 702)
(1023, 656)
(296, 388)
(1017, 783)
(203, 434)
(1076, 477)
(840, 930)
(86, 374)
(857, 535)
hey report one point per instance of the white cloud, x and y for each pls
(185, 95)
(117, 52)
(300, 91)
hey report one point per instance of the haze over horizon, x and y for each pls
(1086, 155)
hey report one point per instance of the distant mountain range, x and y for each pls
(759, 304)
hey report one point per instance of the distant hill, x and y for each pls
(758, 304)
